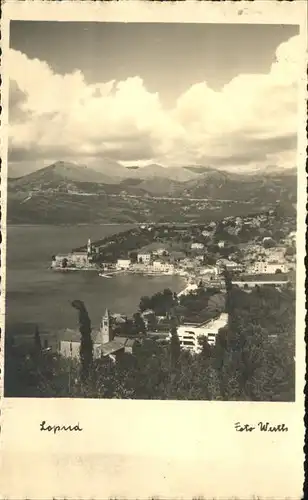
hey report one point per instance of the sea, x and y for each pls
(35, 294)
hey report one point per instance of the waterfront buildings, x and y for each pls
(78, 259)
(144, 257)
(123, 264)
(163, 267)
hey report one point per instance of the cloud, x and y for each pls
(250, 122)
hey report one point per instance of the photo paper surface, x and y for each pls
(153, 193)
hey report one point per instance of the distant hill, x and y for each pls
(231, 186)
(76, 193)
(111, 169)
(56, 174)
(178, 174)
(158, 186)
(197, 169)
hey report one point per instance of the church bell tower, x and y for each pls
(89, 248)
(105, 328)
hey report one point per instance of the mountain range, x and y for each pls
(182, 185)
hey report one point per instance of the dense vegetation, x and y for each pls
(253, 360)
(178, 237)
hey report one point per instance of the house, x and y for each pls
(221, 244)
(149, 318)
(206, 233)
(144, 257)
(104, 345)
(163, 267)
(155, 248)
(59, 260)
(199, 259)
(187, 263)
(159, 251)
(230, 265)
(267, 267)
(189, 335)
(209, 270)
(123, 264)
(79, 258)
(177, 256)
(197, 246)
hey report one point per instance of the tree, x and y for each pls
(139, 324)
(64, 262)
(175, 347)
(86, 345)
(269, 243)
(37, 342)
(206, 351)
(133, 256)
(145, 303)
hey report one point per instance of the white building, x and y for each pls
(252, 284)
(59, 260)
(267, 267)
(209, 270)
(197, 246)
(79, 258)
(163, 267)
(230, 265)
(144, 257)
(123, 264)
(189, 335)
(206, 233)
(221, 244)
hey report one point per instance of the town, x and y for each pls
(248, 247)
(256, 248)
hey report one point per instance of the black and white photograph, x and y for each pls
(152, 188)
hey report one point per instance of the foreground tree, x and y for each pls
(139, 324)
(37, 342)
(86, 346)
(175, 347)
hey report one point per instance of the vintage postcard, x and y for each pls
(153, 193)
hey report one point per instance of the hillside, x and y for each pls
(220, 185)
(69, 193)
(57, 173)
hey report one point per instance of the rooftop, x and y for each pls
(212, 324)
(70, 335)
(110, 347)
(113, 346)
(264, 277)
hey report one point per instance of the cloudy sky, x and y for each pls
(174, 94)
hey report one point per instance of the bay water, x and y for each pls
(37, 294)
